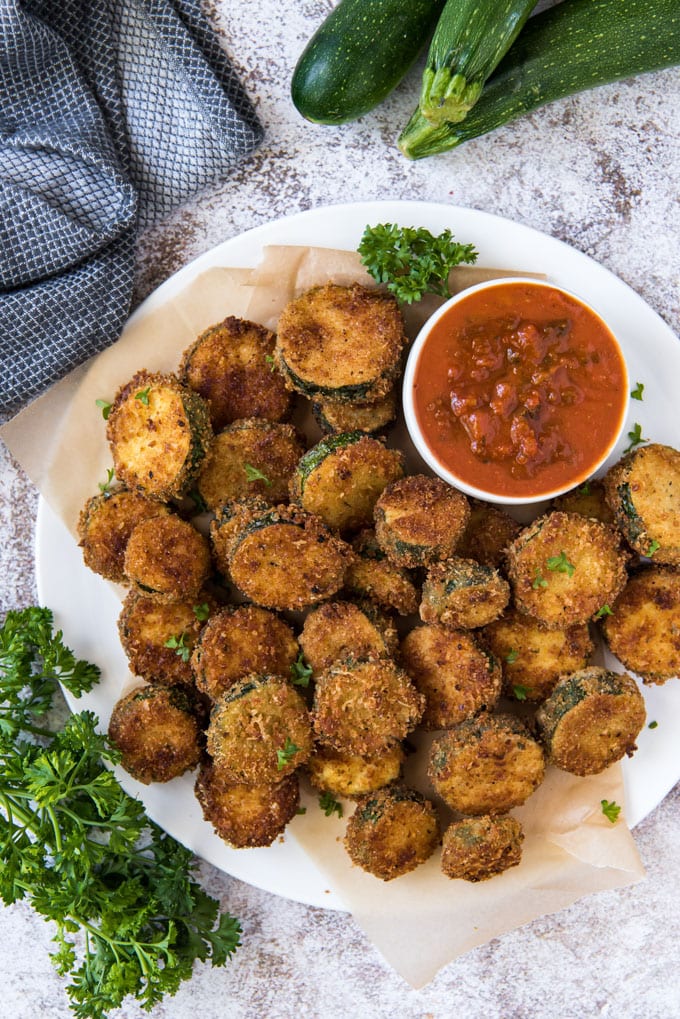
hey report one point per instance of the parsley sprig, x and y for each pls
(412, 261)
(83, 852)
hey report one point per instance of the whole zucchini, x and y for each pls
(574, 46)
(358, 55)
(468, 42)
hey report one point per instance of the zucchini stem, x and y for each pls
(421, 138)
(447, 97)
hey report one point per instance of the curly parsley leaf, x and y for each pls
(412, 261)
(178, 644)
(611, 810)
(520, 692)
(636, 394)
(105, 486)
(105, 408)
(286, 755)
(81, 851)
(143, 396)
(635, 437)
(253, 474)
(560, 564)
(330, 805)
(654, 546)
(604, 611)
(539, 581)
(301, 673)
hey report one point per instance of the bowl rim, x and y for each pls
(411, 421)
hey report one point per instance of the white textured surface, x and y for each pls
(600, 171)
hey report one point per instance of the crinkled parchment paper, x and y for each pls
(421, 921)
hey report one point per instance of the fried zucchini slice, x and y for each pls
(455, 673)
(488, 533)
(227, 525)
(287, 559)
(239, 641)
(486, 765)
(643, 630)
(158, 637)
(363, 707)
(334, 416)
(341, 343)
(341, 477)
(231, 365)
(354, 775)
(532, 656)
(372, 575)
(105, 525)
(259, 731)
(463, 594)
(590, 720)
(479, 848)
(419, 520)
(391, 832)
(167, 559)
(588, 500)
(246, 816)
(338, 630)
(159, 432)
(643, 492)
(563, 568)
(157, 730)
(250, 458)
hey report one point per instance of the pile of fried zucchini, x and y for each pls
(279, 638)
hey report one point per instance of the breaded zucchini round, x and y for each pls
(341, 343)
(463, 594)
(246, 816)
(333, 416)
(372, 575)
(353, 775)
(105, 525)
(564, 568)
(231, 366)
(588, 500)
(341, 477)
(479, 848)
(590, 720)
(643, 492)
(532, 656)
(239, 641)
(486, 765)
(643, 630)
(157, 731)
(159, 432)
(259, 731)
(456, 675)
(227, 525)
(287, 559)
(167, 559)
(363, 707)
(158, 637)
(252, 457)
(391, 832)
(420, 520)
(338, 630)
(488, 533)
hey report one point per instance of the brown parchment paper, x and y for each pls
(421, 921)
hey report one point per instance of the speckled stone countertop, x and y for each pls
(599, 171)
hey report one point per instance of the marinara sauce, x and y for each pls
(520, 389)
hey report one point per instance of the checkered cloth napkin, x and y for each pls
(112, 112)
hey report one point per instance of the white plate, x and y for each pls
(86, 608)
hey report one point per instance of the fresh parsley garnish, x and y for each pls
(270, 361)
(636, 393)
(300, 672)
(330, 805)
(654, 546)
(512, 656)
(560, 564)
(130, 921)
(104, 486)
(604, 611)
(253, 474)
(652, 725)
(202, 611)
(635, 437)
(283, 757)
(105, 408)
(520, 692)
(585, 488)
(143, 396)
(412, 261)
(539, 581)
(179, 646)
(611, 810)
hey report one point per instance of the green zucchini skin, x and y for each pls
(469, 41)
(358, 55)
(575, 46)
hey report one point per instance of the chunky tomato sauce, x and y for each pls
(520, 389)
